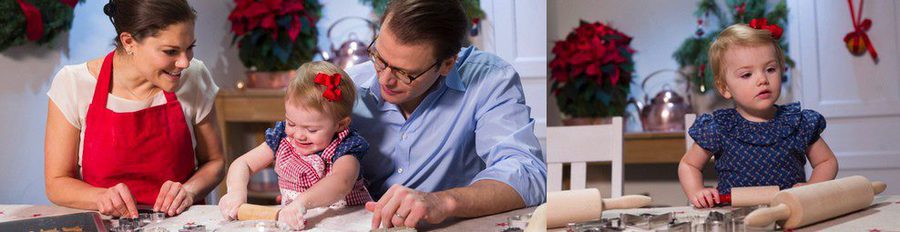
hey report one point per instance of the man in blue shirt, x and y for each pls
(449, 130)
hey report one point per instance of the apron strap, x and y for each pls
(104, 81)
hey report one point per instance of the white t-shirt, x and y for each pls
(72, 91)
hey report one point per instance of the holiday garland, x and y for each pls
(37, 21)
(693, 51)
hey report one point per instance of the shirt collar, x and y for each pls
(453, 79)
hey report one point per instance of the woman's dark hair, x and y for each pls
(442, 23)
(143, 18)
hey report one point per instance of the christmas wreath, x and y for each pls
(37, 21)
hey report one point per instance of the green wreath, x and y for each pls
(56, 17)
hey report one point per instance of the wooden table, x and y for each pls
(883, 215)
(320, 219)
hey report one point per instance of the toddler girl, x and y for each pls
(315, 152)
(757, 143)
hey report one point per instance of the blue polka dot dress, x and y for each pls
(758, 153)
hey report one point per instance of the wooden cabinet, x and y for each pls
(243, 117)
(653, 148)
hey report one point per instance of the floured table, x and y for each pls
(321, 219)
(882, 216)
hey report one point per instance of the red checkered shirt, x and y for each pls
(297, 172)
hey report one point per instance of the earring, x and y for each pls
(130, 52)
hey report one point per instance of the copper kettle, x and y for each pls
(353, 50)
(665, 112)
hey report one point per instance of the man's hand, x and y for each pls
(402, 206)
(173, 198)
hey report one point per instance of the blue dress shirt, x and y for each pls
(473, 126)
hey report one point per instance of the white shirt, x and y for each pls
(72, 91)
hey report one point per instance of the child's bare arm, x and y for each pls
(335, 186)
(239, 175)
(691, 178)
(689, 169)
(821, 158)
(251, 162)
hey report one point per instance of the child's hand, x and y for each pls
(292, 214)
(705, 198)
(800, 184)
(229, 203)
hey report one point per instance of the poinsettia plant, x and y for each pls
(592, 70)
(275, 35)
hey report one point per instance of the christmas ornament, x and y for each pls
(858, 40)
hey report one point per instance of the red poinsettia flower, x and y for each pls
(594, 57)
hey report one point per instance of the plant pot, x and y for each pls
(270, 80)
(582, 121)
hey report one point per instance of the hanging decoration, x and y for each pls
(38, 21)
(858, 40)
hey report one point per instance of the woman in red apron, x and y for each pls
(143, 157)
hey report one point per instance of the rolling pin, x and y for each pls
(808, 204)
(538, 220)
(585, 205)
(257, 212)
(749, 196)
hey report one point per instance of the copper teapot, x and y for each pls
(353, 50)
(665, 112)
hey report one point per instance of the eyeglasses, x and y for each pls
(403, 76)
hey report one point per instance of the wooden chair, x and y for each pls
(578, 145)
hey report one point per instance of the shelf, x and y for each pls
(653, 147)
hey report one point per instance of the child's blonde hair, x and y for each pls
(742, 35)
(305, 92)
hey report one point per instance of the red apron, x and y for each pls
(141, 149)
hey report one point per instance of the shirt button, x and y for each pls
(400, 171)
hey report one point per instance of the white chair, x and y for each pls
(578, 145)
(688, 122)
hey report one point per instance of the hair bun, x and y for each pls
(109, 9)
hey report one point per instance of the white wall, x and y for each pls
(859, 98)
(29, 69)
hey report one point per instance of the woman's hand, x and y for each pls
(117, 201)
(292, 214)
(705, 198)
(230, 203)
(173, 198)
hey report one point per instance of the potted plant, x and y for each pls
(274, 37)
(591, 73)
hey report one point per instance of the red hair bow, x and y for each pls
(331, 83)
(762, 24)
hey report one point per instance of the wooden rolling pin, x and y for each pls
(257, 212)
(749, 196)
(808, 204)
(585, 205)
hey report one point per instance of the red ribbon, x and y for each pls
(860, 27)
(34, 25)
(762, 24)
(331, 83)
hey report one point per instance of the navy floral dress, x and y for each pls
(759, 153)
